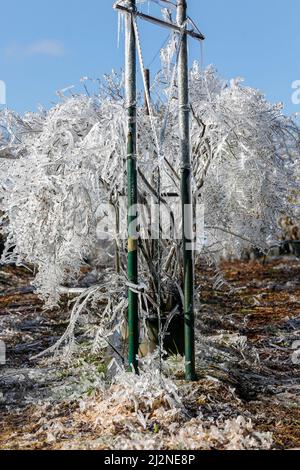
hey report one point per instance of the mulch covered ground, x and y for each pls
(261, 303)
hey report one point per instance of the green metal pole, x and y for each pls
(130, 84)
(186, 195)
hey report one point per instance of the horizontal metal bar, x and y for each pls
(165, 24)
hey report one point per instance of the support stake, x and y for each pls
(130, 79)
(186, 196)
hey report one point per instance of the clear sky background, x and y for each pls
(46, 45)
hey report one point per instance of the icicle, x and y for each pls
(121, 23)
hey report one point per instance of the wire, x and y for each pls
(143, 72)
(158, 52)
(173, 79)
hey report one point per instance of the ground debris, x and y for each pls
(247, 395)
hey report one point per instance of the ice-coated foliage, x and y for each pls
(247, 157)
(58, 168)
(60, 174)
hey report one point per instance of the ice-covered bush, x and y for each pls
(57, 168)
(65, 166)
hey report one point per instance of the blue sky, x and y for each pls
(50, 44)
